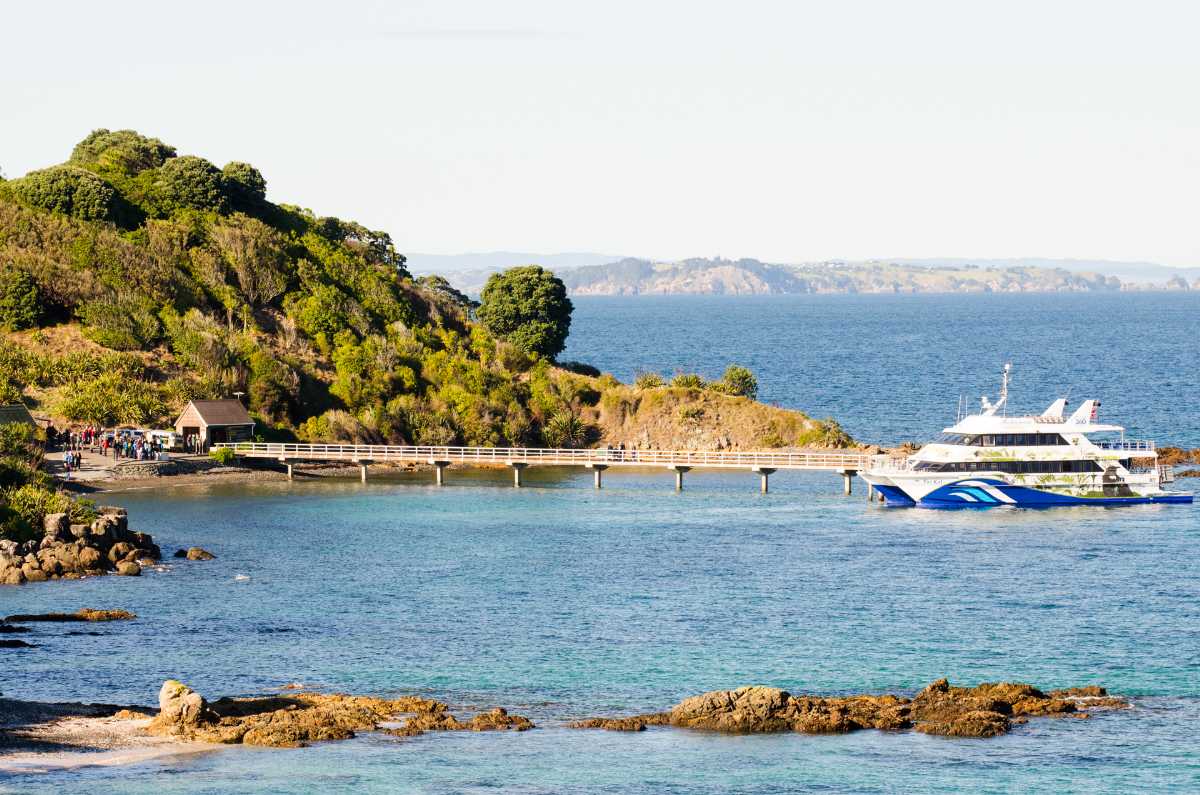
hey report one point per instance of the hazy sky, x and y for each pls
(780, 130)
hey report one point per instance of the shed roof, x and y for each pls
(222, 412)
(11, 413)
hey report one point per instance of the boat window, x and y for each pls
(1014, 467)
(1010, 439)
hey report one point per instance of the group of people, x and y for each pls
(192, 443)
(72, 460)
(121, 444)
(128, 446)
(75, 439)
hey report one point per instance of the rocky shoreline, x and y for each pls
(186, 721)
(986, 710)
(71, 551)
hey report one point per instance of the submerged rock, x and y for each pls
(196, 553)
(84, 614)
(634, 723)
(987, 710)
(12, 643)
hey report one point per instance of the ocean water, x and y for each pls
(559, 602)
(892, 368)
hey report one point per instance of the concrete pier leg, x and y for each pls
(870, 493)
(679, 470)
(766, 473)
(289, 466)
(597, 471)
(440, 469)
(362, 472)
(848, 478)
(517, 466)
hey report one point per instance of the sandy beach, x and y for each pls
(38, 737)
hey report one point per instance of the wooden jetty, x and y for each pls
(847, 463)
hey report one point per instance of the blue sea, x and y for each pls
(559, 602)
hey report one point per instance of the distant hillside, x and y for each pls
(1127, 272)
(635, 276)
(751, 277)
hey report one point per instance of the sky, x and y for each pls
(787, 131)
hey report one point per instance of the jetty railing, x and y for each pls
(378, 453)
(764, 463)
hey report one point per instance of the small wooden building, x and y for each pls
(15, 413)
(215, 421)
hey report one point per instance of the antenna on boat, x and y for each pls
(990, 408)
(1004, 388)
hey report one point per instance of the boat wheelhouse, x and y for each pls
(991, 459)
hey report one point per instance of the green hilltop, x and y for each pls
(135, 278)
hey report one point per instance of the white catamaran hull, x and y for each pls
(989, 490)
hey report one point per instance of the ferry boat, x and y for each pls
(990, 459)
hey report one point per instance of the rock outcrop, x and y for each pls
(297, 719)
(84, 614)
(72, 551)
(987, 710)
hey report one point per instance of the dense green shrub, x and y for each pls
(649, 381)
(223, 455)
(68, 190)
(112, 399)
(273, 386)
(528, 306)
(688, 381)
(565, 429)
(189, 182)
(244, 186)
(124, 151)
(739, 380)
(20, 302)
(324, 311)
(129, 324)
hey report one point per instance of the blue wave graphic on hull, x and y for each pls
(989, 492)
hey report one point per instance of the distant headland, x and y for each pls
(594, 274)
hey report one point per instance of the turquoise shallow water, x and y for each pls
(558, 602)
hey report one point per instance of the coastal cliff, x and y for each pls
(752, 277)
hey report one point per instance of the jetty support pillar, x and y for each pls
(679, 470)
(287, 464)
(766, 473)
(847, 479)
(517, 466)
(870, 493)
(598, 470)
(362, 470)
(440, 469)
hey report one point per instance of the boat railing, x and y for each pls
(1166, 473)
(1128, 444)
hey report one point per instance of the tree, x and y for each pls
(20, 304)
(244, 185)
(190, 182)
(528, 306)
(68, 190)
(739, 380)
(124, 151)
(255, 253)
